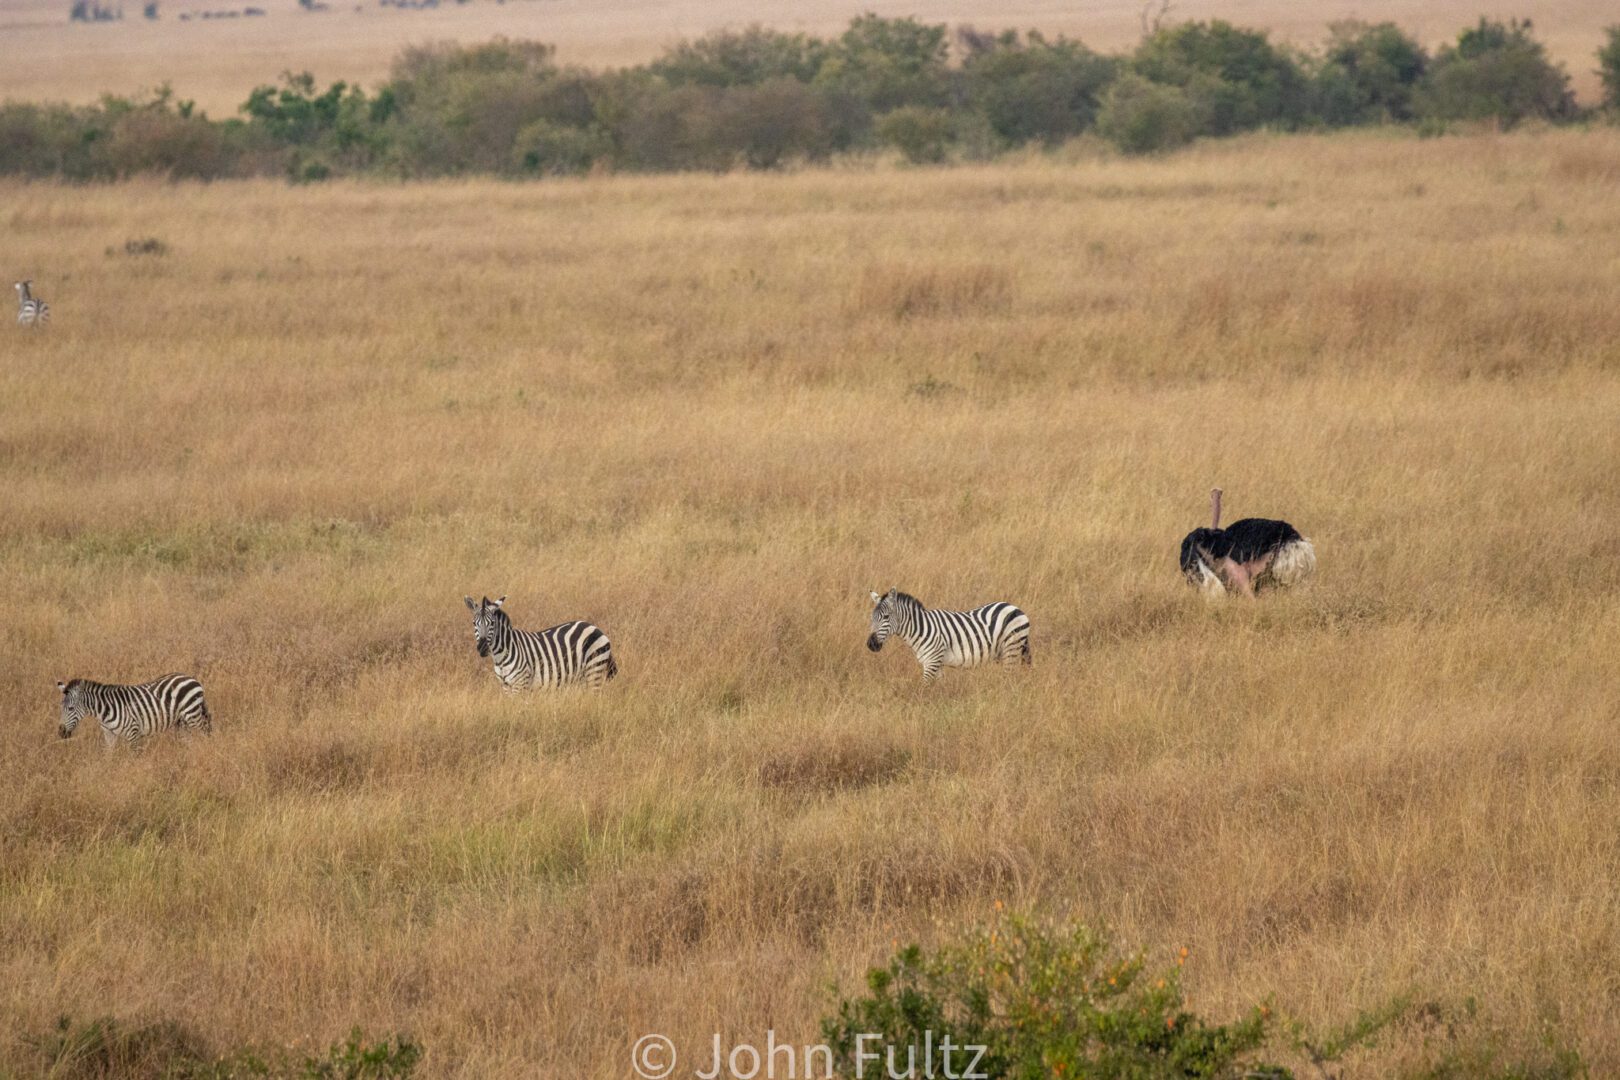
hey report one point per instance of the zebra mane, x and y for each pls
(902, 599)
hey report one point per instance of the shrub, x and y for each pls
(887, 64)
(1241, 79)
(1609, 67)
(1143, 117)
(772, 122)
(741, 58)
(1044, 1001)
(922, 135)
(551, 149)
(1367, 74)
(1034, 89)
(1496, 71)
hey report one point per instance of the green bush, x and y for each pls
(1367, 74)
(1143, 117)
(1609, 67)
(1043, 1001)
(545, 148)
(1496, 71)
(1033, 89)
(1047, 999)
(922, 135)
(888, 64)
(741, 58)
(1239, 78)
(107, 1049)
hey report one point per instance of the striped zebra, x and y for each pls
(574, 652)
(133, 712)
(31, 310)
(993, 634)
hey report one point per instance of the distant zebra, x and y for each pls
(993, 634)
(31, 310)
(133, 712)
(573, 652)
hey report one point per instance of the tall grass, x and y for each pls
(277, 455)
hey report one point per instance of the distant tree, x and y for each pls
(923, 135)
(150, 10)
(1367, 74)
(1141, 116)
(1031, 88)
(889, 63)
(1496, 71)
(1609, 67)
(741, 58)
(1241, 79)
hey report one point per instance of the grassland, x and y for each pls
(218, 62)
(711, 413)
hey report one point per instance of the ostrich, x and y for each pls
(1247, 555)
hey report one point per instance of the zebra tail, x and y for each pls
(1024, 653)
(613, 666)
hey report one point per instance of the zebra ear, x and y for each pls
(470, 605)
(62, 686)
(876, 598)
(893, 593)
(497, 603)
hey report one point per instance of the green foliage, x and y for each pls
(745, 58)
(922, 135)
(1142, 117)
(106, 1049)
(1044, 1000)
(887, 64)
(1032, 89)
(1368, 74)
(1496, 71)
(760, 98)
(1609, 67)
(1239, 78)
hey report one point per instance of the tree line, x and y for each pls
(763, 98)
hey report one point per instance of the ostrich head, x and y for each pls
(1197, 564)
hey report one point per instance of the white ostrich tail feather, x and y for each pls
(1209, 582)
(1293, 564)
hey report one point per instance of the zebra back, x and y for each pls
(134, 711)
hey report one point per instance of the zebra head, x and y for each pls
(487, 618)
(882, 619)
(72, 707)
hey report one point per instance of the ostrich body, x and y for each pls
(1246, 556)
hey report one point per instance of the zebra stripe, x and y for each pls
(31, 311)
(134, 712)
(573, 652)
(994, 634)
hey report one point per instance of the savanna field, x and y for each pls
(711, 414)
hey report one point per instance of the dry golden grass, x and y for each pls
(218, 62)
(711, 413)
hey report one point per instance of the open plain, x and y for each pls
(710, 414)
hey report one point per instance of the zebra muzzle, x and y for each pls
(873, 643)
(64, 732)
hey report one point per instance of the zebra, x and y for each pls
(31, 311)
(573, 652)
(133, 712)
(994, 634)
